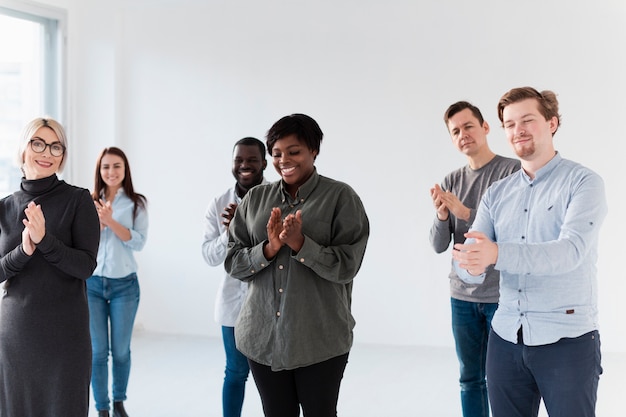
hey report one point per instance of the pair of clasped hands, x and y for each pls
(34, 228)
(474, 257)
(279, 232)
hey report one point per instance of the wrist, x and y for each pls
(269, 250)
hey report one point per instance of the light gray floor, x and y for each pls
(181, 376)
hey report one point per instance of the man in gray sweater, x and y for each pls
(456, 201)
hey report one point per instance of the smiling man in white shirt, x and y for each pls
(248, 165)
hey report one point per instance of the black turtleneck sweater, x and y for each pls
(45, 348)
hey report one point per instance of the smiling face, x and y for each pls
(41, 165)
(293, 161)
(528, 132)
(467, 134)
(112, 171)
(248, 166)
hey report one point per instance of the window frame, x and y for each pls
(54, 92)
(54, 23)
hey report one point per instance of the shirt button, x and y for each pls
(280, 290)
(262, 265)
(301, 259)
(281, 267)
(278, 314)
(252, 271)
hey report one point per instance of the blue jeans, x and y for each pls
(114, 302)
(565, 374)
(236, 375)
(471, 323)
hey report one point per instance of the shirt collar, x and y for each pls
(305, 189)
(119, 192)
(545, 170)
(237, 198)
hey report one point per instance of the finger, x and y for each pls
(461, 247)
(475, 235)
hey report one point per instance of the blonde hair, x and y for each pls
(30, 129)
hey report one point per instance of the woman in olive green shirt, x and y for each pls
(299, 242)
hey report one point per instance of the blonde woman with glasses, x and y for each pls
(49, 233)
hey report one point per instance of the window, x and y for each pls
(30, 78)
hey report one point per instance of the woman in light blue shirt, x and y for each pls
(113, 290)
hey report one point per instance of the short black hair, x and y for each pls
(301, 125)
(250, 141)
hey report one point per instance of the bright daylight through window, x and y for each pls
(28, 83)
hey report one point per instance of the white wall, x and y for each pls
(175, 83)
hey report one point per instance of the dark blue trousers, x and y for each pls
(565, 374)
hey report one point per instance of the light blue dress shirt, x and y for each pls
(547, 232)
(116, 258)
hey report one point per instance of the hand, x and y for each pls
(436, 193)
(274, 229)
(27, 243)
(35, 222)
(446, 202)
(105, 212)
(292, 231)
(477, 256)
(228, 214)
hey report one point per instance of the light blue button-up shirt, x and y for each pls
(547, 232)
(116, 258)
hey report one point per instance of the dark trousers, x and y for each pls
(315, 388)
(565, 374)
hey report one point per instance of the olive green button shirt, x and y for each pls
(298, 309)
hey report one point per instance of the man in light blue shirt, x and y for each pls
(539, 228)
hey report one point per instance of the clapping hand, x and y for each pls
(291, 234)
(228, 214)
(34, 227)
(105, 212)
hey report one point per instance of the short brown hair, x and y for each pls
(458, 107)
(548, 105)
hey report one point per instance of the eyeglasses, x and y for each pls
(38, 145)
